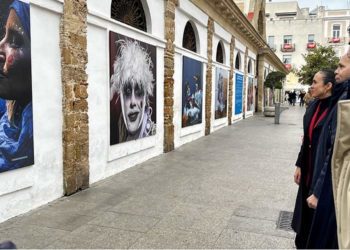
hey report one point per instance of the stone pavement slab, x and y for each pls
(232, 239)
(95, 237)
(221, 191)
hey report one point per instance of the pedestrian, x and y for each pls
(308, 98)
(314, 118)
(290, 98)
(294, 97)
(341, 174)
(301, 97)
(323, 233)
(340, 166)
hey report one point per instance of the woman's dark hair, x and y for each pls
(328, 76)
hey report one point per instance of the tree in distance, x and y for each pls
(322, 57)
(274, 81)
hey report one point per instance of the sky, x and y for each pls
(330, 4)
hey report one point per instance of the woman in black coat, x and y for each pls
(314, 119)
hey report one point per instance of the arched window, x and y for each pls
(250, 66)
(189, 38)
(220, 53)
(238, 61)
(130, 12)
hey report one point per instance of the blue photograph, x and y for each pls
(192, 92)
(16, 115)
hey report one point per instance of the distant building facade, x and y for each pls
(292, 32)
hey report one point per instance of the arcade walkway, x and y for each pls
(225, 190)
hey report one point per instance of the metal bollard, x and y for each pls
(277, 112)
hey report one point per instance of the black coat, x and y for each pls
(323, 233)
(300, 213)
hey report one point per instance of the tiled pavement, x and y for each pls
(222, 191)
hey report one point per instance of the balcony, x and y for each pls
(288, 47)
(336, 40)
(311, 45)
(288, 66)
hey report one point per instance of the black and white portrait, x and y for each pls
(132, 89)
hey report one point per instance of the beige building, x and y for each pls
(292, 32)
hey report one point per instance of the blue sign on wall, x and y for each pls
(239, 94)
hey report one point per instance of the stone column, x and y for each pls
(74, 58)
(261, 69)
(208, 93)
(169, 57)
(230, 80)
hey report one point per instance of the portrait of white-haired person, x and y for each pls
(133, 84)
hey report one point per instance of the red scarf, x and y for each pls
(315, 120)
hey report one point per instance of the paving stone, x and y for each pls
(212, 226)
(76, 207)
(175, 239)
(262, 213)
(92, 195)
(232, 239)
(260, 226)
(128, 222)
(30, 236)
(63, 220)
(148, 205)
(203, 211)
(95, 237)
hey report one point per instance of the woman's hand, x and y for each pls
(312, 201)
(297, 175)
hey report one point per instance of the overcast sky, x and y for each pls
(330, 4)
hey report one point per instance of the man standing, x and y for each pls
(323, 232)
(340, 165)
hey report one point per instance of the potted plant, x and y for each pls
(273, 81)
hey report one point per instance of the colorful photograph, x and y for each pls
(238, 94)
(16, 114)
(132, 89)
(221, 83)
(192, 92)
(250, 94)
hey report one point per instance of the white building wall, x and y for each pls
(220, 34)
(184, 13)
(106, 160)
(26, 188)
